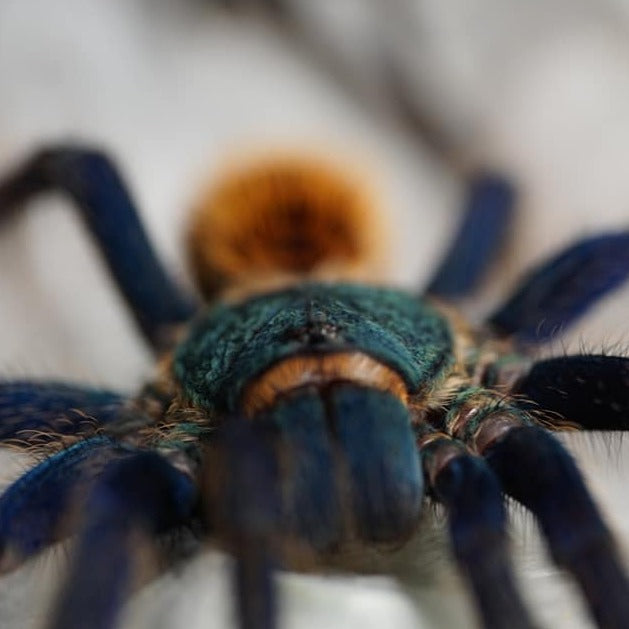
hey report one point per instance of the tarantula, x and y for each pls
(300, 408)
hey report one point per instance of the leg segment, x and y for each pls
(592, 391)
(563, 288)
(488, 213)
(134, 500)
(246, 508)
(471, 493)
(90, 179)
(39, 412)
(535, 469)
(34, 509)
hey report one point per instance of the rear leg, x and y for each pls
(92, 182)
(560, 290)
(487, 215)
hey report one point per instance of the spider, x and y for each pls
(301, 408)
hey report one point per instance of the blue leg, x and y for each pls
(487, 216)
(472, 495)
(34, 507)
(134, 500)
(590, 390)
(536, 470)
(90, 179)
(247, 508)
(563, 288)
(39, 412)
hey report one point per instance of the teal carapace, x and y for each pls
(233, 343)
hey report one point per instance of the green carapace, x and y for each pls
(233, 343)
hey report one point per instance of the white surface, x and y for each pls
(171, 93)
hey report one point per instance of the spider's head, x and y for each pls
(283, 220)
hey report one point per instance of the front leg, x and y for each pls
(38, 413)
(134, 500)
(534, 469)
(589, 390)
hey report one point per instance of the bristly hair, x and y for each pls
(273, 222)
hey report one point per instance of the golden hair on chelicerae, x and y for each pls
(283, 219)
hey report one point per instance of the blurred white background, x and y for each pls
(539, 89)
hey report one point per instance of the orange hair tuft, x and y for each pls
(282, 220)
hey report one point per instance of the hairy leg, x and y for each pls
(536, 470)
(38, 413)
(564, 287)
(589, 390)
(472, 495)
(487, 215)
(242, 507)
(34, 509)
(90, 179)
(133, 501)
